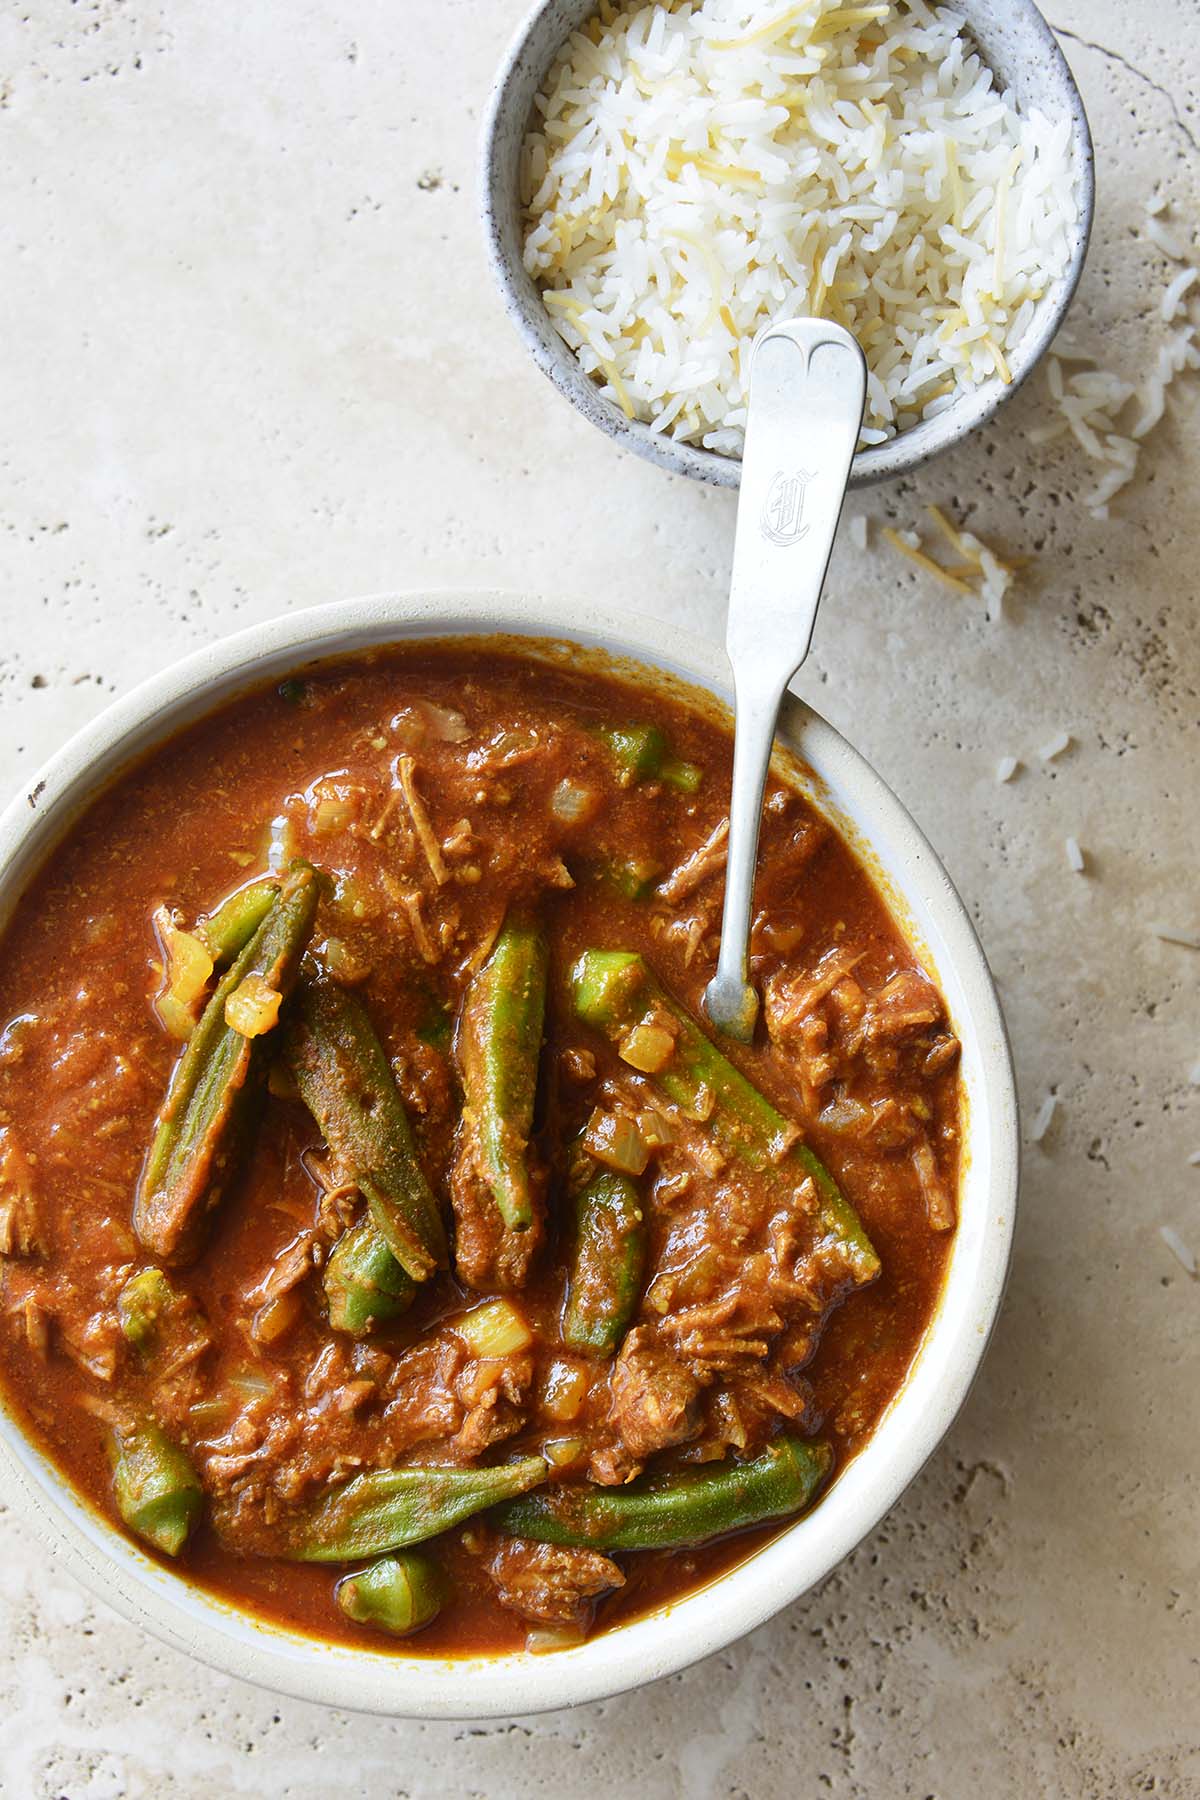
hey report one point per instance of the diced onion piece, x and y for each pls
(344, 963)
(446, 723)
(209, 1412)
(656, 1131)
(281, 843)
(496, 1328)
(188, 972)
(278, 1316)
(648, 1048)
(614, 1139)
(540, 1639)
(660, 1294)
(565, 1391)
(408, 728)
(252, 1384)
(176, 1018)
(253, 1007)
(846, 1115)
(330, 815)
(560, 1453)
(572, 803)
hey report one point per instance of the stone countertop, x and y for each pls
(253, 361)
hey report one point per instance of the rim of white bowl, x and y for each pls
(686, 1630)
(500, 141)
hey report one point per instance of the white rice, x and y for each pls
(1171, 304)
(1055, 746)
(1043, 1118)
(1164, 239)
(1006, 768)
(1175, 934)
(1075, 857)
(1179, 1250)
(1091, 400)
(698, 170)
(1194, 1160)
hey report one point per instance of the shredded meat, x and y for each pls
(939, 1203)
(708, 859)
(426, 837)
(551, 1584)
(22, 1228)
(493, 1390)
(655, 1403)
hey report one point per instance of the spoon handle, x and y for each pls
(807, 391)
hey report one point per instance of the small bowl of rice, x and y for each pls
(660, 180)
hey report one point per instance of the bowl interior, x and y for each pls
(841, 785)
(1022, 52)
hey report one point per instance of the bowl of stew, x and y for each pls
(406, 1301)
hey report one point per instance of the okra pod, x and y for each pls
(385, 1509)
(204, 1119)
(157, 1491)
(637, 750)
(499, 1044)
(227, 930)
(641, 753)
(363, 1281)
(613, 991)
(397, 1594)
(346, 1081)
(142, 1304)
(608, 1261)
(683, 1509)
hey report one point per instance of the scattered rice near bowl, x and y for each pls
(1181, 1251)
(696, 171)
(1090, 400)
(1043, 1118)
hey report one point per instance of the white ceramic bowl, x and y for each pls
(847, 790)
(1022, 52)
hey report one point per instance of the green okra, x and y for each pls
(346, 1081)
(499, 1044)
(642, 753)
(607, 1263)
(613, 990)
(679, 1510)
(385, 1509)
(157, 1491)
(637, 750)
(204, 1120)
(142, 1305)
(231, 925)
(364, 1283)
(397, 1594)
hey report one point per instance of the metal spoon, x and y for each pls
(808, 384)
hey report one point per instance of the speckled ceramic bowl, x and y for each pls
(843, 787)
(1021, 50)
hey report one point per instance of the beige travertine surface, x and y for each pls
(252, 361)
